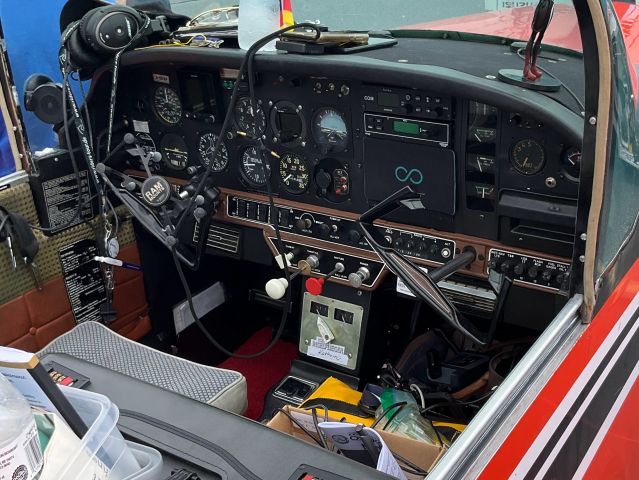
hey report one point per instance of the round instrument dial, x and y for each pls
(254, 168)
(205, 148)
(288, 123)
(528, 156)
(167, 105)
(175, 153)
(571, 163)
(294, 173)
(250, 120)
(330, 130)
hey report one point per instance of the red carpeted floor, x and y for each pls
(264, 371)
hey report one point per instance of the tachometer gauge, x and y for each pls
(250, 120)
(175, 153)
(255, 169)
(330, 130)
(528, 156)
(571, 163)
(294, 173)
(167, 105)
(205, 147)
(288, 124)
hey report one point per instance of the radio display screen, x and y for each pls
(405, 127)
(385, 99)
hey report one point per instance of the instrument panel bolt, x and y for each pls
(306, 342)
(582, 258)
(350, 355)
(551, 182)
(583, 237)
(592, 120)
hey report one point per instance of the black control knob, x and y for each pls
(303, 223)
(519, 268)
(323, 230)
(422, 247)
(533, 271)
(353, 236)
(399, 242)
(504, 267)
(493, 264)
(410, 245)
(547, 275)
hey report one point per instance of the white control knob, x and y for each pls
(276, 288)
(358, 278)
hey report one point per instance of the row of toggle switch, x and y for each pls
(341, 230)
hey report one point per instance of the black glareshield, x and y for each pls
(420, 283)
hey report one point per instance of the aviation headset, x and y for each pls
(103, 32)
(43, 97)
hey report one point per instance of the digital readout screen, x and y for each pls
(387, 99)
(406, 127)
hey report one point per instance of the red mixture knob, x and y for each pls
(314, 286)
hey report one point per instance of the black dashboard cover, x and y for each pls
(428, 170)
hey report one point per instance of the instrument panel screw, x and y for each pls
(592, 120)
(350, 355)
(583, 237)
(306, 342)
(582, 258)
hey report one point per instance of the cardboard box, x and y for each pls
(421, 454)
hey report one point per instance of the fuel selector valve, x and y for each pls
(315, 286)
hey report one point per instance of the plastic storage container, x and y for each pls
(257, 19)
(103, 441)
(19, 446)
(150, 462)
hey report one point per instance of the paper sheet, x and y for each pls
(346, 438)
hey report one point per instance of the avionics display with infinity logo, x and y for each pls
(429, 170)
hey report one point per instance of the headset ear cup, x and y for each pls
(43, 97)
(91, 24)
(81, 56)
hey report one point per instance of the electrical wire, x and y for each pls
(461, 403)
(246, 66)
(570, 92)
(386, 410)
(302, 427)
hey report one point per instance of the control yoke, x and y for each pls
(421, 284)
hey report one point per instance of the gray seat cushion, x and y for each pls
(95, 343)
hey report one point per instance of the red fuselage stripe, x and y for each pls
(512, 451)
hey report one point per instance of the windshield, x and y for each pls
(504, 18)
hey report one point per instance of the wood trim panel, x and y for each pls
(477, 269)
